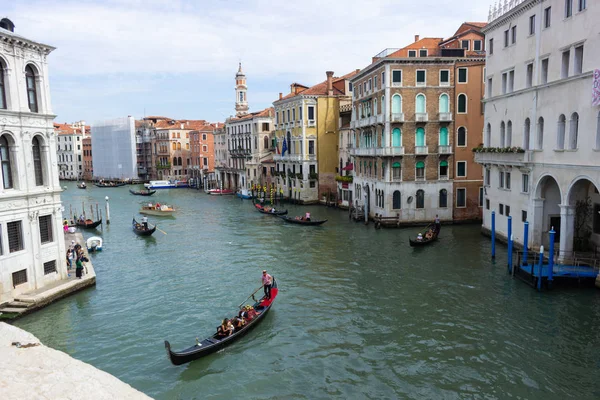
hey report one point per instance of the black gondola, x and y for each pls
(142, 193)
(418, 243)
(213, 343)
(110, 185)
(82, 185)
(88, 223)
(139, 230)
(303, 221)
(284, 212)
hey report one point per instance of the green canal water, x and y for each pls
(360, 314)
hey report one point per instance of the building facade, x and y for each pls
(221, 157)
(542, 123)
(143, 148)
(411, 110)
(307, 136)
(70, 149)
(32, 248)
(346, 167)
(117, 159)
(88, 165)
(203, 155)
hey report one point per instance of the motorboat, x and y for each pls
(171, 184)
(94, 243)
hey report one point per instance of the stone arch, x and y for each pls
(581, 214)
(8, 162)
(547, 201)
(41, 161)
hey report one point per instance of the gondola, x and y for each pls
(110, 185)
(82, 185)
(278, 213)
(138, 228)
(88, 223)
(212, 343)
(425, 242)
(142, 193)
(302, 222)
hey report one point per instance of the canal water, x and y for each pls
(360, 314)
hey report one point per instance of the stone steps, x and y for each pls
(14, 310)
(19, 304)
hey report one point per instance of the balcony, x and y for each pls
(445, 117)
(312, 157)
(498, 157)
(444, 149)
(163, 166)
(398, 117)
(372, 120)
(311, 122)
(354, 124)
(390, 151)
(380, 119)
(287, 157)
(421, 117)
(421, 150)
(363, 151)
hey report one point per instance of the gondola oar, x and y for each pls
(253, 293)
(160, 230)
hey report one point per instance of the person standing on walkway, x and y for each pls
(79, 265)
(267, 281)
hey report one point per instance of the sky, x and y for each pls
(178, 58)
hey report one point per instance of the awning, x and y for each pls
(348, 167)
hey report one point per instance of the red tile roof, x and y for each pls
(257, 114)
(176, 124)
(320, 89)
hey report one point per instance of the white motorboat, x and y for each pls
(94, 243)
(166, 184)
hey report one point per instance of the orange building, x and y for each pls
(88, 169)
(202, 154)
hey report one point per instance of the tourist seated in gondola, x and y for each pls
(419, 237)
(429, 234)
(225, 329)
(238, 323)
(307, 217)
(273, 210)
(250, 313)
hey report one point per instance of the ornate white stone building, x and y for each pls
(541, 56)
(32, 249)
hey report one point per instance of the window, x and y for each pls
(480, 197)
(45, 229)
(422, 52)
(525, 183)
(412, 53)
(487, 204)
(540, 134)
(19, 277)
(511, 81)
(504, 83)
(420, 77)
(443, 140)
(529, 76)
(461, 169)
(578, 68)
(547, 17)
(420, 106)
(507, 180)
(573, 131)
(396, 104)
(311, 112)
(396, 77)
(204, 148)
(30, 79)
(568, 8)
(444, 77)
(491, 46)
(462, 75)
(2, 87)
(513, 35)
(300, 108)
(444, 105)
(311, 147)
(487, 177)
(462, 104)
(265, 128)
(501, 209)
(461, 197)
(396, 200)
(420, 169)
(582, 5)
(396, 137)
(461, 137)
(560, 133)
(526, 133)
(506, 38)
(564, 72)
(443, 169)
(49, 267)
(465, 44)
(501, 179)
(443, 199)
(375, 82)
(544, 71)
(508, 140)
(477, 45)
(15, 236)
(420, 199)
(397, 171)
(293, 114)
(489, 87)
(420, 137)
(532, 25)
(7, 177)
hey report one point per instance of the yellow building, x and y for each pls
(306, 132)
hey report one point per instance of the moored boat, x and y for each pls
(109, 184)
(142, 192)
(269, 210)
(300, 221)
(159, 210)
(88, 223)
(140, 230)
(172, 184)
(82, 185)
(214, 343)
(94, 243)
(435, 231)
(244, 194)
(221, 192)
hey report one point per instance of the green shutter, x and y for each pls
(420, 164)
(444, 164)
(396, 165)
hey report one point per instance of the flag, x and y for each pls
(284, 147)
(277, 146)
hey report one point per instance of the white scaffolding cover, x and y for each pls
(114, 150)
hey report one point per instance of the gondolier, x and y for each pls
(145, 222)
(267, 281)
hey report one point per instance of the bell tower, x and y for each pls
(241, 101)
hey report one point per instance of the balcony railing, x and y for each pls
(354, 124)
(380, 119)
(287, 157)
(311, 122)
(445, 117)
(421, 117)
(518, 159)
(163, 166)
(444, 149)
(363, 151)
(421, 150)
(398, 117)
(372, 120)
(390, 151)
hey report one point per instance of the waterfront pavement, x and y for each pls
(38, 298)
(31, 370)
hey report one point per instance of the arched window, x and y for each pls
(396, 137)
(396, 104)
(31, 89)
(7, 176)
(488, 135)
(420, 170)
(573, 131)
(461, 137)
(540, 133)
(443, 169)
(174, 161)
(375, 111)
(396, 200)
(341, 162)
(178, 146)
(397, 171)
(420, 199)
(174, 146)
(560, 133)
(502, 134)
(526, 133)
(2, 87)
(444, 103)
(420, 103)
(420, 137)
(443, 136)
(462, 103)
(266, 142)
(179, 161)
(383, 104)
(443, 200)
(509, 134)
(37, 161)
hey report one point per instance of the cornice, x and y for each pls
(510, 15)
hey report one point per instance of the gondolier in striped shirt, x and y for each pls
(267, 281)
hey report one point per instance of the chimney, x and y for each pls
(329, 83)
(417, 38)
(280, 95)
